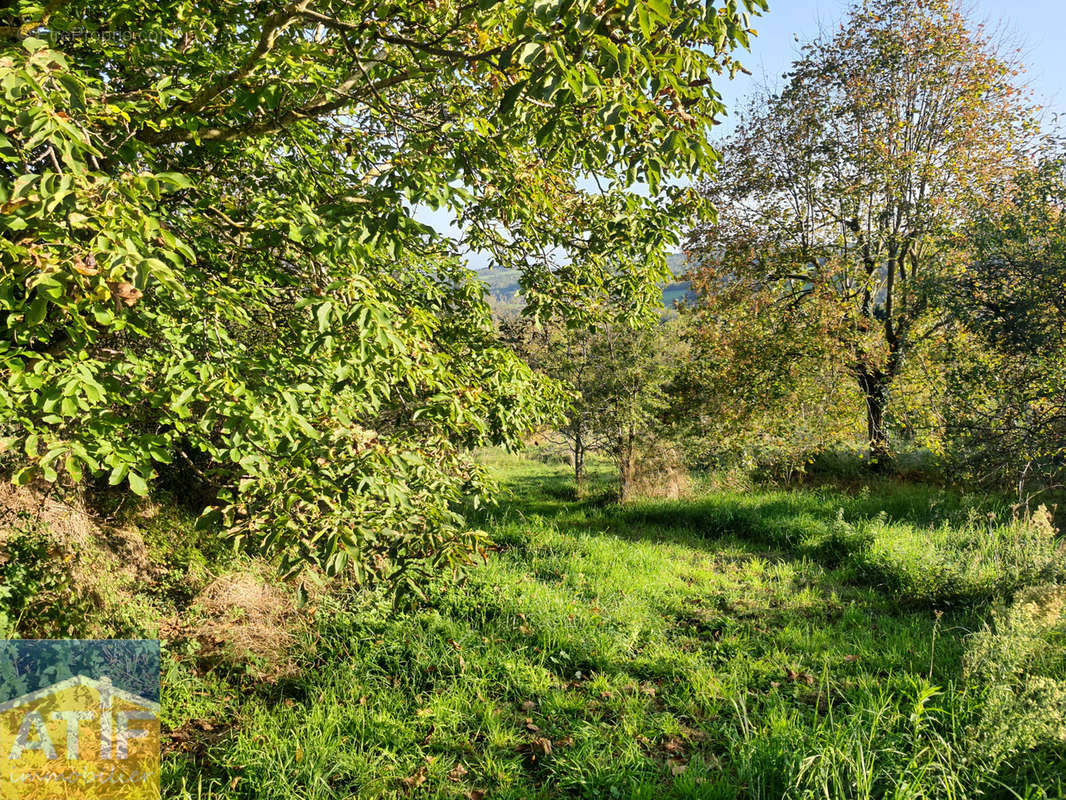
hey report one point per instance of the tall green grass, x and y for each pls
(762, 644)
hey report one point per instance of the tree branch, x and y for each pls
(273, 27)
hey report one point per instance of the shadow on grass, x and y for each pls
(919, 544)
(549, 496)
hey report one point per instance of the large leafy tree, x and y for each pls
(848, 189)
(210, 256)
(765, 384)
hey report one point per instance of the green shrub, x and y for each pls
(1019, 664)
(39, 593)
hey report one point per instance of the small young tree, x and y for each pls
(618, 377)
(568, 357)
(633, 368)
(849, 188)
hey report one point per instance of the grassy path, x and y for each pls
(751, 645)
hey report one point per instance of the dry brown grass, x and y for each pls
(243, 620)
(98, 566)
(66, 519)
(660, 474)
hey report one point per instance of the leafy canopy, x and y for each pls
(211, 264)
(844, 196)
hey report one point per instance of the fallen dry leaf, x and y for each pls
(677, 766)
(529, 705)
(541, 747)
(415, 780)
(803, 676)
(696, 735)
(457, 773)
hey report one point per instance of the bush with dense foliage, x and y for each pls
(1004, 388)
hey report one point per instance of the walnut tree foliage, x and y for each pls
(210, 256)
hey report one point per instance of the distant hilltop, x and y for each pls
(503, 283)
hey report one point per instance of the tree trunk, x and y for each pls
(625, 477)
(874, 386)
(626, 466)
(578, 453)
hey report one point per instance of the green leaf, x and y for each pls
(118, 474)
(510, 97)
(73, 467)
(36, 312)
(138, 485)
(530, 52)
(546, 131)
(209, 520)
(22, 185)
(175, 180)
(323, 314)
(661, 8)
(23, 476)
(182, 399)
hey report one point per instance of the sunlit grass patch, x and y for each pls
(758, 645)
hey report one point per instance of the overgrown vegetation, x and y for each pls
(795, 537)
(754, 643)
(860, 637)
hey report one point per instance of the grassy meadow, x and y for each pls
(879, 641)
(245, 347)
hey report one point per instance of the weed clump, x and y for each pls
(1019, 663)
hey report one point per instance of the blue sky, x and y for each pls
(1035, 26)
